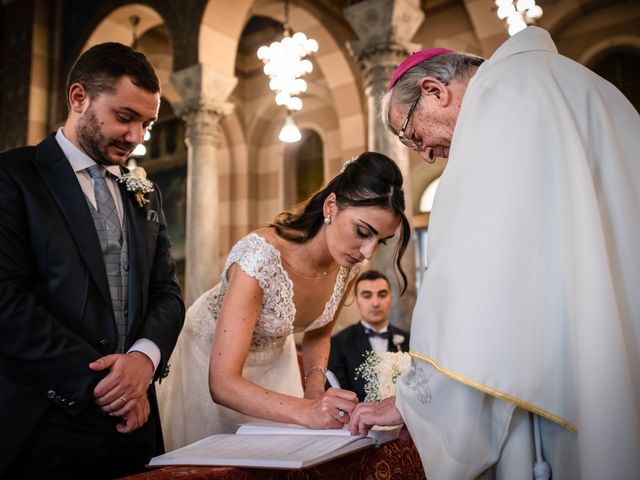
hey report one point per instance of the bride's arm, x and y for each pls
(234, 329)
(315, 353)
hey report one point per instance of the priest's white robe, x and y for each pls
(531, 300)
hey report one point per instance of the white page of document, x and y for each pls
(278, 451)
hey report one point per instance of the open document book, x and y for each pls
(273, 445)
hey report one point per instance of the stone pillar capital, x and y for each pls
(385, 29)
(203, 101)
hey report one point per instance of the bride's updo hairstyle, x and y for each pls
(369, 180)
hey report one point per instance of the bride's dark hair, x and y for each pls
(370, 180)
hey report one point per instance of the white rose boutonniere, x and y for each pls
(136, 181)
(397, 340)
(381, 372)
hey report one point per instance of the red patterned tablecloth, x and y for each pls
(396, 460)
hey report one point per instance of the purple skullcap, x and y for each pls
(415, 59)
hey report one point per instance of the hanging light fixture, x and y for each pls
(518, 13)
(140, 150)
(290, 132)
(284, 64)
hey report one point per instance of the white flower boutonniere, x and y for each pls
(397, 340)
(136, 181)
(381, 372)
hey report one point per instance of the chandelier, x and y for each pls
(518, 13)
(284, 64)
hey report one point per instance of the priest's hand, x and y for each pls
(366, 415)
(128, 378)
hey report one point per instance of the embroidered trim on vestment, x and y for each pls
(496, 393)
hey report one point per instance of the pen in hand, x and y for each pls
(331, 378)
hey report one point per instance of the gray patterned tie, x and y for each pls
(104, 200)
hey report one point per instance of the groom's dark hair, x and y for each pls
(99, 69)
(370, 275)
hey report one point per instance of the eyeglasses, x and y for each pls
(407, 141)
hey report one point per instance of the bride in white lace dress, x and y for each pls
(236, 359)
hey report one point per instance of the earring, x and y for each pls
(327, 220)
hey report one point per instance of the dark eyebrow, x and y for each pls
(374, 231)
(137, 115)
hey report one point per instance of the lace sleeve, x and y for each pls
(256, 257)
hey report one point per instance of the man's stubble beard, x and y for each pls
(93, 142)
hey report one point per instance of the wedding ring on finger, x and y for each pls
(341, 413)
(124, 400)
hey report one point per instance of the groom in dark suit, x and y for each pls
(373, 332)
(89, 306)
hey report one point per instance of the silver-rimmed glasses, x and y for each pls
(408, 141)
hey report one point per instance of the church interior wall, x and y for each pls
(40, 39)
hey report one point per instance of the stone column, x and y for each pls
(385, 29)
(203, 105)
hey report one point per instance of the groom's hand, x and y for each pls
(128, 379)
(134, 414)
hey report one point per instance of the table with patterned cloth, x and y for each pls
(395, 460)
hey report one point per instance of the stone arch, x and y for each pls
(220, 31)
(266, 156)
(600, 48)
(489, 30)
(153, 40)
(582, 32)
(293, 178)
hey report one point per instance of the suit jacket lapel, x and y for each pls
(57, 174)
(361, 341)
(396, 348)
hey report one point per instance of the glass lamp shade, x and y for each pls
(139, 151)
(290, 132)
(535, 12)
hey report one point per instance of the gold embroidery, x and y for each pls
(496, 393)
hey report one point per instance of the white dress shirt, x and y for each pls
(379, 344)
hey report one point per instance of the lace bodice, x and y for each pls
(261, 260)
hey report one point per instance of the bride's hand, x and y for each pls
(331, 410)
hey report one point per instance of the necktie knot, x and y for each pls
(373, 333)
(96, 171)
(105, 204)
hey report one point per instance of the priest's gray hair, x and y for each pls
(446, 67)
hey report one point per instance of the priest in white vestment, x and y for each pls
(530, 307)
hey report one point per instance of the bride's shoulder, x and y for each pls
(259, 242)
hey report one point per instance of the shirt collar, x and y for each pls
(77, 158)
(367, 325)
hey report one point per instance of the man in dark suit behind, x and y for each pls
(89, 306)
(373, 332)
